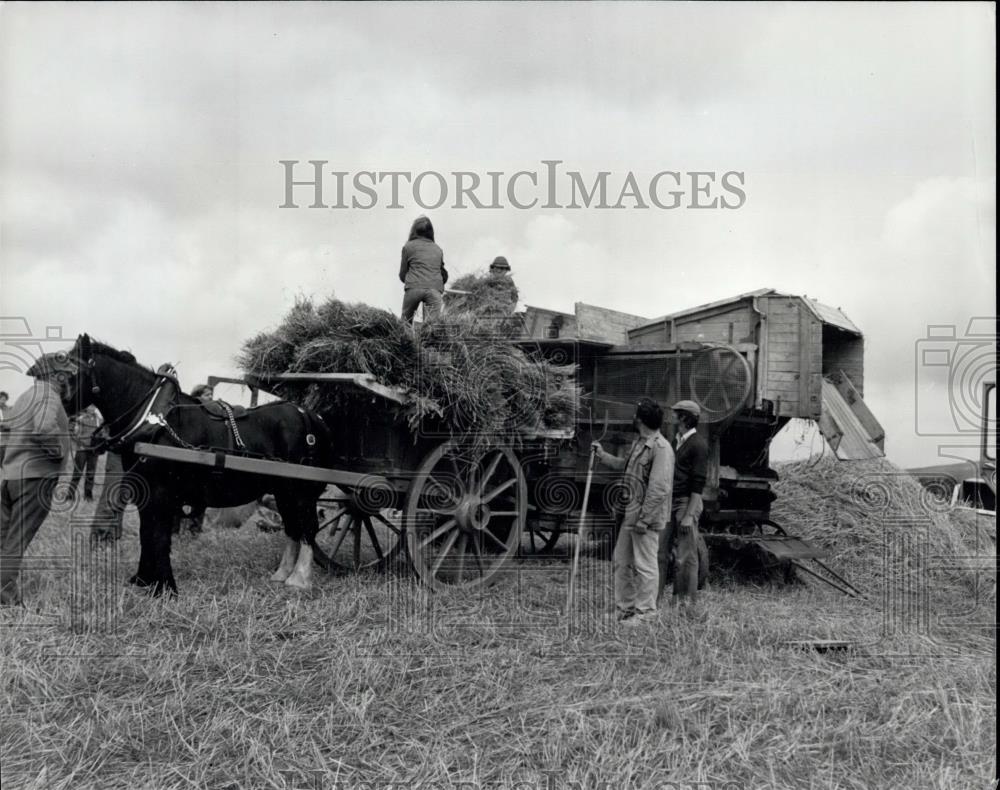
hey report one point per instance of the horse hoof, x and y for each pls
(297, 582)
(280, 575)
(138, 581)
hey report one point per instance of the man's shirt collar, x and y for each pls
(684, 436)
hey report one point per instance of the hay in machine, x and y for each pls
(883, 528)
(463, 372)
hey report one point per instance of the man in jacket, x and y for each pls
(38, 449)
(690, 476)
(648, 474)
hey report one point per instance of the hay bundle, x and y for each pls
(488, 294)
(881, 525)
(462, 371)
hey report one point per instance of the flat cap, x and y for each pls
(687, 405)
(52, 363)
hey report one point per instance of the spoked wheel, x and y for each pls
(353, 538)
(465, 515)
(544, 533)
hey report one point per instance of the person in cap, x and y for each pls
(690, 475)
(422, 272)
(648, 473)
(38, 449)
(500, 266)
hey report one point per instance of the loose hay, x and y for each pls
(488, 294)
(882, 526)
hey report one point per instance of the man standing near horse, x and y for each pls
(649, 470)
(37, 451)
(84, 425)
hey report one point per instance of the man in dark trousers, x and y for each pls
(84, 426)
(690, 476)
(38, 449)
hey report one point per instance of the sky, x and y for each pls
(141, 184)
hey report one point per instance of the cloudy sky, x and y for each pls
(141, 184)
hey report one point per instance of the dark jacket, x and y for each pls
(691, 467)
(422, 265)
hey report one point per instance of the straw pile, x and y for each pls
(487, 294)
(882, 526)
(461, 372)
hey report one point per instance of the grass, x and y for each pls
(240, 683)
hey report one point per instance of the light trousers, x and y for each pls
(636, 572)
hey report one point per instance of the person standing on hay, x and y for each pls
(36, 455)
(422, 272)
(690, 476)
(649, 471)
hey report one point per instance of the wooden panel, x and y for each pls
(599, 323)
(729, 325)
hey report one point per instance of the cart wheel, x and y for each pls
(375, 541)
(465, 515)
(543, 534)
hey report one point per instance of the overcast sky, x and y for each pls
(139, 148)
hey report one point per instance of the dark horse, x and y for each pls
(124, 390)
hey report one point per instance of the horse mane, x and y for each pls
(128, 358)
(98, 347)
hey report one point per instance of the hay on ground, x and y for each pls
(882, 526)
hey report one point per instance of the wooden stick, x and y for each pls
(579, 531)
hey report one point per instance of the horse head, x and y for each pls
(79, 389)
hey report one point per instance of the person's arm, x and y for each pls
(404, 267)
(661, 477)
(607, 458)
(444, 271)
(51, 427)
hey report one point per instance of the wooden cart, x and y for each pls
(455, 509)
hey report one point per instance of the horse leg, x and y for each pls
(288, 557)
(155, 521)
(301, 524)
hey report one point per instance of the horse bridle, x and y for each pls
(114, 442)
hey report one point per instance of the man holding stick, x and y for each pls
(648, 474)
